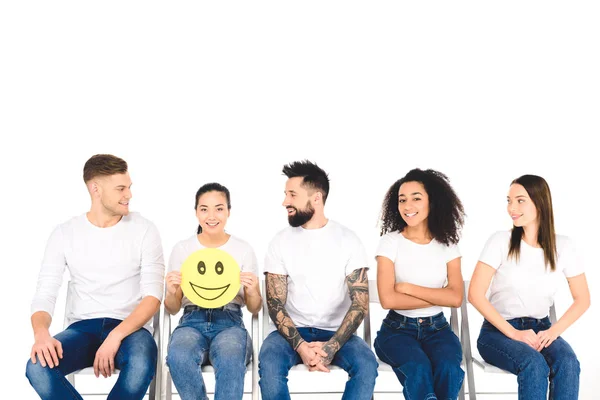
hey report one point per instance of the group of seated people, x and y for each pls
(317, 293)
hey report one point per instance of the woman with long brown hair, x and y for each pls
(527, 265)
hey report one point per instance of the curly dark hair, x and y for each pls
(446, 212)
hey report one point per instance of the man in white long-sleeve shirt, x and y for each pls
(116, 265)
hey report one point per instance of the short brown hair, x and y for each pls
(103, 165)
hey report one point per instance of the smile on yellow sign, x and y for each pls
(210, 278)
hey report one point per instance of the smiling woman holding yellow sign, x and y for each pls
(212, 275)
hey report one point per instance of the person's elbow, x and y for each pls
(473, 296)
(254, 308)
(457, 299)
(385, 303)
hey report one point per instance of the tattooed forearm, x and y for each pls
(358, 285)
(276, 298)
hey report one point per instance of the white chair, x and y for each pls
(385, 369)
(165, 375)
(152, 390)
(476, 359)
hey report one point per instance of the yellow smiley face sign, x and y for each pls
(210, 278)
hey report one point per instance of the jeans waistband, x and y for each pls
(529, 320)
(230, 306)
(393, 315)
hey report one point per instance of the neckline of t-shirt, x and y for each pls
(99, 228)
(415, 243)
(530, 246)
(219, 247)
(321, 229)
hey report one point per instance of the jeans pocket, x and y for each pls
(235, 316)
(390, 323)
(438, 326)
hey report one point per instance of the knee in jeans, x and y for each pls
(568, 362)
(38, 376)
(449, 367)
(367, 368)
(537, 364)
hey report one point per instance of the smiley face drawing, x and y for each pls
(210, 278)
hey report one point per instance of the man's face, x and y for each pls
(297, 202)
(114, 193)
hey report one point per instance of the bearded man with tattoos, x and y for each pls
(317, 292)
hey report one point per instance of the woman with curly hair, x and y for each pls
(527, 264)
(418, 273)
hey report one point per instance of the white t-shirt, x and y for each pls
(316, 262)
(111, 269)
(419, 264)
(240, 250)
(526, 288)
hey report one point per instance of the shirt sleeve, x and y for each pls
(153, 265)
(569, 260)
(176, 258)
(273, 260)
(387, 248)
(51, 274)
(493, 251)
(452, 252)
(250, 263)
(358, 255)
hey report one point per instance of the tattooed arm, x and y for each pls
(276, 298)
(358, 286)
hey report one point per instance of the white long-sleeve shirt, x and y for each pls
(111, 269)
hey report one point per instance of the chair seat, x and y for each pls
(487, 367)
(90, 371)
(383, 366)
(209, 368)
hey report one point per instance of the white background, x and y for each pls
(189, 93)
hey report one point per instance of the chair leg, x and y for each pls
(168, 391)
(465, 340)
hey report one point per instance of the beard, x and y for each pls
(301, 217)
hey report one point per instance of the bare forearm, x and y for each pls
(40, 322)
(485, 308)
(571, 315)
(253, 303)
(138, 318)
(173, 301)
(445, 297)
(276, 298)
(400, 301)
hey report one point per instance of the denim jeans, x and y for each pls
(424, 353)
(135, 359)
(215, 336)
(277, 357)
(557, 361)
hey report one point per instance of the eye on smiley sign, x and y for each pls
(210, 278)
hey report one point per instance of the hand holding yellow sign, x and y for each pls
(210, 278)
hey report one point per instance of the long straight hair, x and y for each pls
(539, 192)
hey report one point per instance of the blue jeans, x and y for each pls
(424, 353)
(135, 359)
(215, 336)
(557, 361)
(277, 357)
